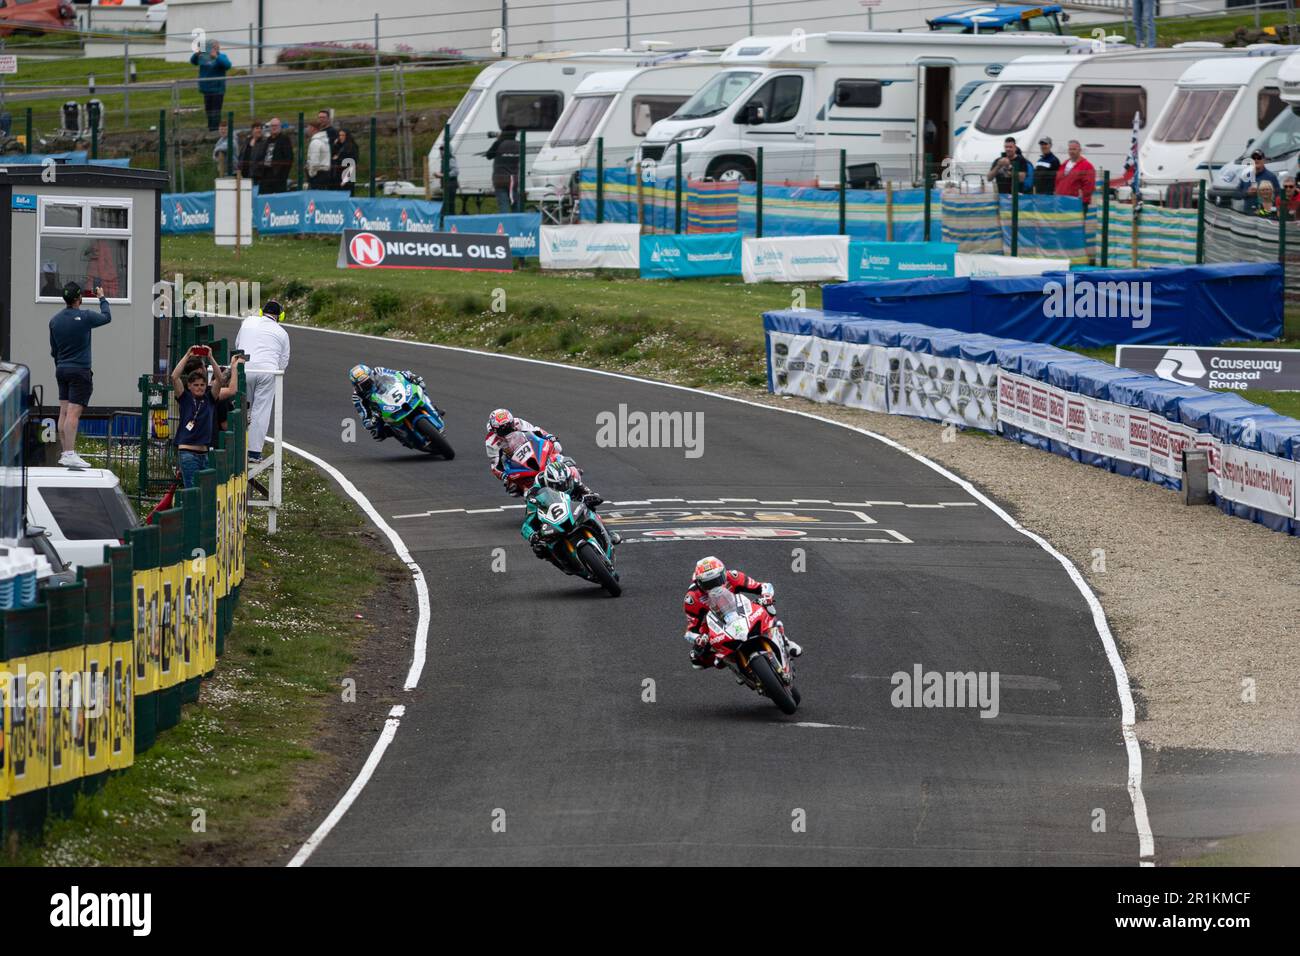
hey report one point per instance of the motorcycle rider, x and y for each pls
(710, 573)
(363, 399)
(560, 474)
(505, 433)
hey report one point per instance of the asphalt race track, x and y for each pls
(531, 707)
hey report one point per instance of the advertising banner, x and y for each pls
(186, 212)
(522, 228)
(591, 246)
(791, 259)
(1258, 480)
(845, 373)
(974, 264)
(363, 249)
(672, 256)
(1241, 370)
(943, 389)
(901, 260)
(332, 211)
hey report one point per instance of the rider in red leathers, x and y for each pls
(709, 574)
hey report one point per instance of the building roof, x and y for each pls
(84, 176)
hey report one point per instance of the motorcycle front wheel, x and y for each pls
(594, 562)
(437, 444)
(772, 686)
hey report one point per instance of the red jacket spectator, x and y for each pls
(1079, 181)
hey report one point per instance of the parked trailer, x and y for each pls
(887, 99)
(1279, 141)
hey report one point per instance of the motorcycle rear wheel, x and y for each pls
(437, 444)
(594, 562)
(772, 686)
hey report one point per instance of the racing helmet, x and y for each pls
(709, 574)
(500, 421)
(557, 476)
(362, 378)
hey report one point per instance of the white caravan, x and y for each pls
(1279, 142)
(527, 94)
(617, 109)
(1218, 107)
(887, 99)
(1091, 97)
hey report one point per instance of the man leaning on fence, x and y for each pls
(266, 344)
(1077, 176)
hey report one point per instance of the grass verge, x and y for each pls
(237, 753)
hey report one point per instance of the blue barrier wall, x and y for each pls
(1185, 305)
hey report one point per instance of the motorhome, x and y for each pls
(1218, 107)
(1088, 96)
(615, 110)
(1279, 141)
(886, 99)
(528, 95)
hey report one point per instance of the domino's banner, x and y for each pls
(522, 228)
(795, 259)
(591, 246)
(901, 260)
(683, 257)
(186, 212)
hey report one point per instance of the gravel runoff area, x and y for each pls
(1201, 604)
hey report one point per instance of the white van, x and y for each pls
(81, 509)
(1279, 141)
(884, 98)
(527, 94)
(618, 109)
(1217, 108)
(1087, 96)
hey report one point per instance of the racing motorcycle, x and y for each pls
(576, 539)
(409, 414)
(528, 461)
(743, 635)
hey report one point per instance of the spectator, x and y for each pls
(1256, 176)
(266, 344)
(223, 145)
(277, 159)
(1045, 168)
(318, 157)
(1265, 207)
(450, 186)
(326, 122)
(343, 159)
(253, 154)
(1290, 200)
(1011, 165)
(504, 154)
(50, 284)
(70, 329)
(213, 66)
(197, 402)
(1144, 22)
(229, 375)
(1077, 176)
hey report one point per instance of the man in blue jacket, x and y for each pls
(213, 65)
(70, 347)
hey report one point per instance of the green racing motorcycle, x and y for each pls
(575, 538)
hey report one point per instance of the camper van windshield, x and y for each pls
(1194, 115)
(577, 125)
(1011, 108)
(716, 95)
(1280, 139)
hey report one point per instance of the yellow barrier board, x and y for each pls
(209, 615)
(29, 741)
(6, 708)
(122, 742)
(99, 706)
(222, 583)
(147, 619)
(67, 715)
(169, 663)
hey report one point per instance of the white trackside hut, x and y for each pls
(884, 98)
(1087, 96)
(617, 108)
(527, 94)
(1218, 107)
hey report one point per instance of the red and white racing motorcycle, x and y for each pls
(744, 635)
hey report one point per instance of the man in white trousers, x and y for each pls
(266, 344)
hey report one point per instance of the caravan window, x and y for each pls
(1011, 108)
(648, 110)
(1194, 115)
(779, 98)
(1109, 107)
(858, 94)
(1282, 138)
(577, 125)
(716, 95)
(534, 112)
(462, 109)
(1268, 106)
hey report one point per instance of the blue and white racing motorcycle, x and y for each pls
(409, 415)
